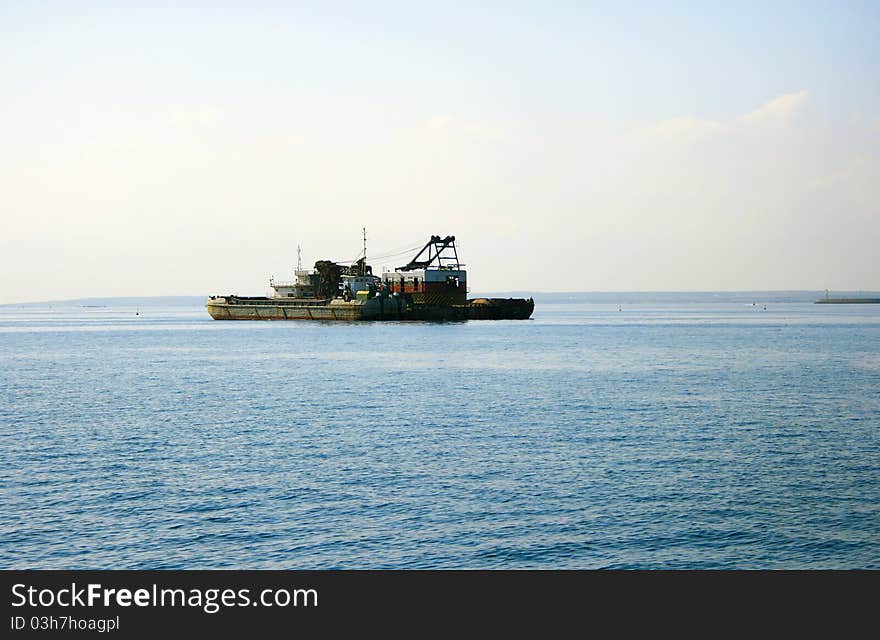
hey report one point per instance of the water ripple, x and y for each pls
(689, 436)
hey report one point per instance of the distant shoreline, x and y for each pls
(547, 297)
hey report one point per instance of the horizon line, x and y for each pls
(513, 291)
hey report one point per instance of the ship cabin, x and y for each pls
(302, 287)
(359, 286)
(434, 277)
(441, 287)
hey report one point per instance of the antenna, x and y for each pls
(365, 244)
(299, 262)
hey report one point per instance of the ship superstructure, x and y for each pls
(302, 286)
(433, 277)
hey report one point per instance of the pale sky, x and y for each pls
(159, 150)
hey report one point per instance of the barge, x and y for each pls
(430, 287)
(847, 300)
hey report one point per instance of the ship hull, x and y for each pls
(236, 308)
(848, 301)
(240, 308)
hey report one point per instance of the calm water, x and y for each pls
(694, 432)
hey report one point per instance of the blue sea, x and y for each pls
(649, 431)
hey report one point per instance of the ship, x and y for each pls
(851, 300)
(432, 286)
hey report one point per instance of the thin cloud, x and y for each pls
(779, 109)
(443, 127)
(196, 117)
(683, 127)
